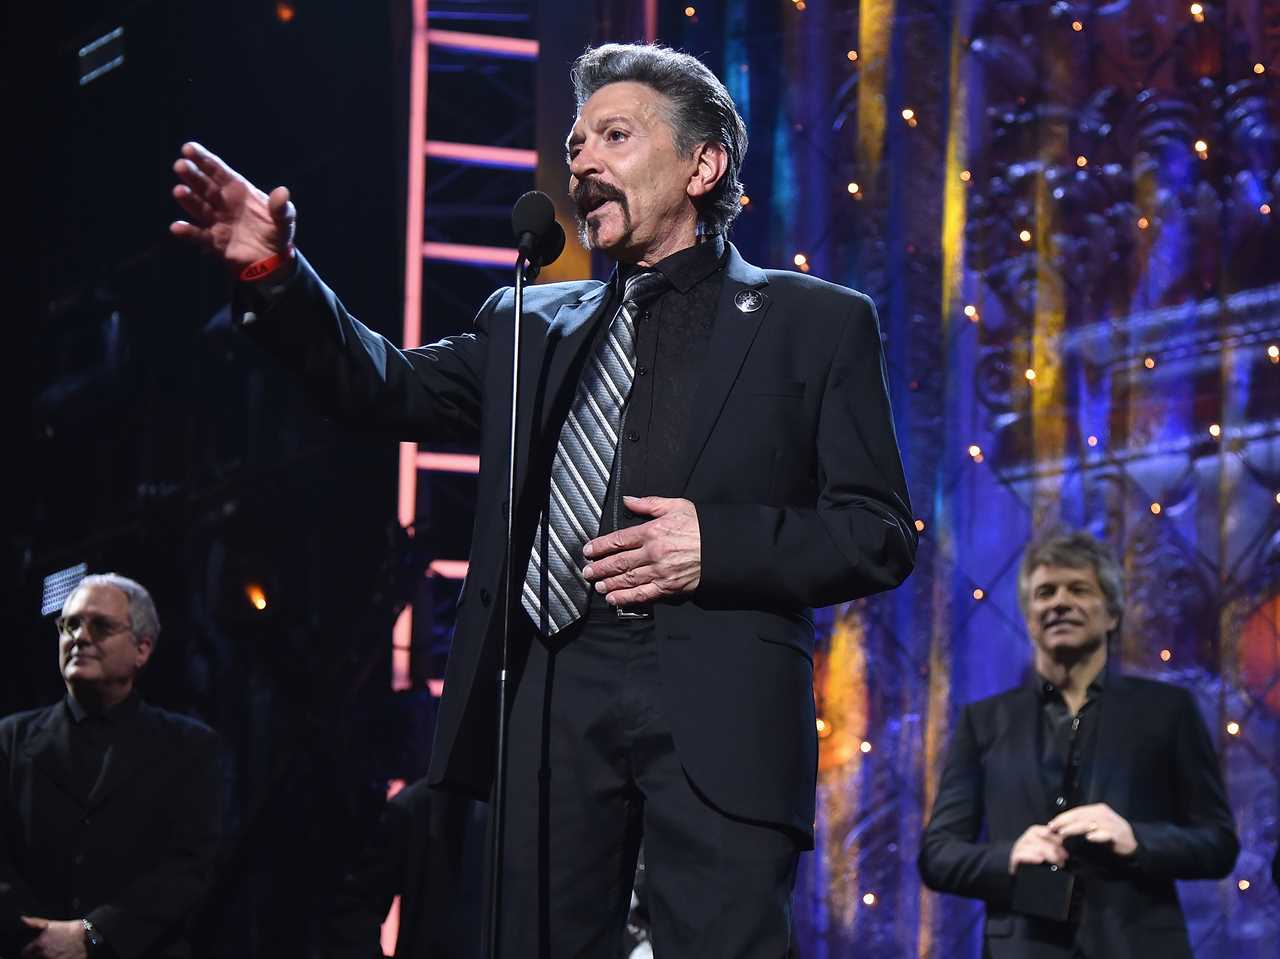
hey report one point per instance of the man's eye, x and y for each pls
(616, 135)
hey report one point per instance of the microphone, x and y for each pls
(539, 237)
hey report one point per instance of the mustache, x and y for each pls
(591, 193)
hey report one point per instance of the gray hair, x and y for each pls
(1074, 549)
(144, 621)
(701, 111)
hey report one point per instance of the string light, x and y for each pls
(1265, 209)
(979, 594)
(1233, 728)
(1030, 375)
(869, 899)
(1197, 12)
(1155, 509)
(1273, 353)
(1143, 223)
(1024, 236)
(285, 12)
(1278, 499)
(745, 200)
(1259, 69)
(853, 56)
(1149, 362)
(971, 312)
(1215, 430)
(690, 11)
(1243, 885)
(909, 115)
(1092, 440)
(1082, 161)
(824, 728)
(919, 526)
(256, 596)
(966, 176)
(1077, 26)
(800, 259)
(865, 746)
(975, 450)
(1166, 655)
(854, 188)
(1202, 149)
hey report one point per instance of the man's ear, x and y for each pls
(711, 160)
(145, 646)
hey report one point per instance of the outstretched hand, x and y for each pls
(230, 216)
(640, 564)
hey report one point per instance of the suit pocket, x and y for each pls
(780, 388)
(795, 634)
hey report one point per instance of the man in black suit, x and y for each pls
(706, 451)
(109, 808)
(1071, 803)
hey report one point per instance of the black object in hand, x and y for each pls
(1042, 890)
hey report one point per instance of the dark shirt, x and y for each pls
(672, 336)
(1067, 743)
(93, 732)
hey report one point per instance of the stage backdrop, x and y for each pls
(1065, 213)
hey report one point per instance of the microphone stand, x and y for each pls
(498, 813)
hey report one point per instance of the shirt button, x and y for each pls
(642, 371)
(79, 859)
(1060, 801)
(633, 436)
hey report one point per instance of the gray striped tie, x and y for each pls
(580, 471)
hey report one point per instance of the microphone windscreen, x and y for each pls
(551, 245)
(533, 213)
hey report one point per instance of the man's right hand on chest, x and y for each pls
(1039, 844)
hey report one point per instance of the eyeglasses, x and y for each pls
(100, 627)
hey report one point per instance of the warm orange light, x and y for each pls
(1202, 149)
(1215, 430)
(919, 526)
(979, 594)
(744, 200)
(1149, 362)
(1273, 353)
(690, 11)
(1030, 375)
(256, 595)
(285, 12)
(854, 188)
(1166, 655)
(1233, 728)
(966, 176)
(1156, 508)
(971, 311)
(1077, 26)
(1024, 236)
(1265, 209)
(1243, 885)
(869, 899)
(1092, 440)
(865, 746)
(975, 450)
(1259, 69)
(1082, 161)
(800, 259)
(1143, 223)
(853, 56)
(908, 114)
(824, 728)
(1197, 9)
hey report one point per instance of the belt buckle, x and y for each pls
(633, 613)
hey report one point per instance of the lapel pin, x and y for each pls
(748, 301)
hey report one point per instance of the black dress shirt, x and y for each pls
(672, 335)
(1067, 743)
(93, 732)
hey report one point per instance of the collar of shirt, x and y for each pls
(125, 709)
(685, 268)
(1047, 690)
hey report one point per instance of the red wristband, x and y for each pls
(264, 268)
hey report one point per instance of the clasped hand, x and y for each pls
(652, 561)
(1097, 823)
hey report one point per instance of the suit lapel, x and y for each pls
(1111, 733)
(545, 363)
(132, 750)
(49, 749)
(1022, 720)
(731, 338)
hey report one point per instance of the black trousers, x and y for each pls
(592, 768)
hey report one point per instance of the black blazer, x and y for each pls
(791, 461)
(134, 856)
(1154, 764)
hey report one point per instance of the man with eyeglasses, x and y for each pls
(110, 808)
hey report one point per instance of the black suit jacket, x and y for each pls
(134, 856)
(791, 461)
(1154, 764)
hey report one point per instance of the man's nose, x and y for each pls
(584, 164)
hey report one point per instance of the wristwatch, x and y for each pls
(92, 938)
